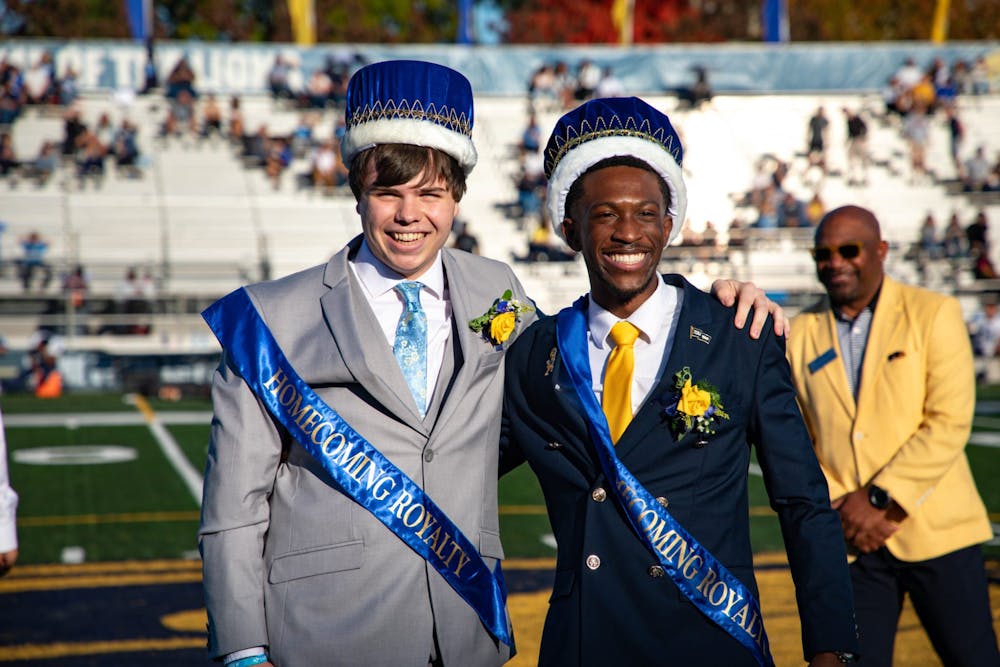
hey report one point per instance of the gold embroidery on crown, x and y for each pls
(605, 128)
(415, 110)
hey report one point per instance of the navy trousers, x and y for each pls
(949, 594)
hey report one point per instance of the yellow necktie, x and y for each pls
(617, 397)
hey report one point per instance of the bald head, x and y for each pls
(849, 257)
(859, 215)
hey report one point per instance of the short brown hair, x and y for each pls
(395, 164)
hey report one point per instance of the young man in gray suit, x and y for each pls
(350, 507)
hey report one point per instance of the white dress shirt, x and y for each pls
(656, 320)
(379, 281)
(8, 501)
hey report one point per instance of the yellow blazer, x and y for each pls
(908, 429)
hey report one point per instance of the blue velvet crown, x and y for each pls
(612, 127)
(410, 102)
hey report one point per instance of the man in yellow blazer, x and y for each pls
(885, 382)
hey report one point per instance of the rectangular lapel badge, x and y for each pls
(700, 336)
(822, 360)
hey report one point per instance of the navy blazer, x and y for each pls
(624, 611)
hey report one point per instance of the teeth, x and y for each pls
(628, 259)
(407, 236)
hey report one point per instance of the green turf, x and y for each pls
(106, 499)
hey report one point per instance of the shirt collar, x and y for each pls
(870, 307)
(651, 318)
(378, 278)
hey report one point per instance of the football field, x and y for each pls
(109, 574)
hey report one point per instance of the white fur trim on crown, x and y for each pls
(409, 131)
(589, 153)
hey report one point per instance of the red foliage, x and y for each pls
(589, 21)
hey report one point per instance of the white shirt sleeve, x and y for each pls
(8, 500)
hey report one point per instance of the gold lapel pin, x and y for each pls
(551, 362)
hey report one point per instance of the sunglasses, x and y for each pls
(824, 253)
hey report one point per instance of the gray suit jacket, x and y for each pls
(292, 563)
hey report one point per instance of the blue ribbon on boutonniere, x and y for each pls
(706, 582)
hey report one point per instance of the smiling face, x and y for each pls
(406, 225)
(620, 223)
(851, 283)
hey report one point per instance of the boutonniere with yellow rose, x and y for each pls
(696, 406)
(499, 322)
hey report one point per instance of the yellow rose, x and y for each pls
(502, 326)
(694, 401)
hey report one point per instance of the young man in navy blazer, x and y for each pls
(642, 446)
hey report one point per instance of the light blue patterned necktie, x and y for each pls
(410, 347)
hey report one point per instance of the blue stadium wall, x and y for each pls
(504, 70)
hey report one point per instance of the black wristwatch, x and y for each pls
(845, 657)
(878, 497)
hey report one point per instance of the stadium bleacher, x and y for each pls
(204, 224)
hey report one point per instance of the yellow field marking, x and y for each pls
(67, 649)
(194, 515)
(60, 569)
(193, 620)
(122, 517)
(143, 406)
(522, 509)
(23, 584)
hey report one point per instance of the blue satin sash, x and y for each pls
(357, 467)
(705, 581)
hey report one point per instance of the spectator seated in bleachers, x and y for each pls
(211, 118)
(277, 79)
(236, 129)
(9, 164)
(33, 261)
(125, 149)
(11, 92)
(40, 81)
(43, 166)
(279, 156)
(318, 90)
(953, 239)
(256, 147)
(133, 299)
(181, 78)
(544, 247)
(978, 174)
(73, 127)
(465, 239)
(698, 93)
(302, 136)
(90, 156)
(791, 212)
(327, 169)
(928, 244)
(180, 115)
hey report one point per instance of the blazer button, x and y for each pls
(599, 494)
(663, 502)
(593, 562)
(655, 571)
(428, 455)
(552, 446)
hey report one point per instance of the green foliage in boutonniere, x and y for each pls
(498, 323)
(696, 406)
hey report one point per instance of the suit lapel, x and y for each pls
(885, 337)
(834, 375)
(359, 339)
(466, 294)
